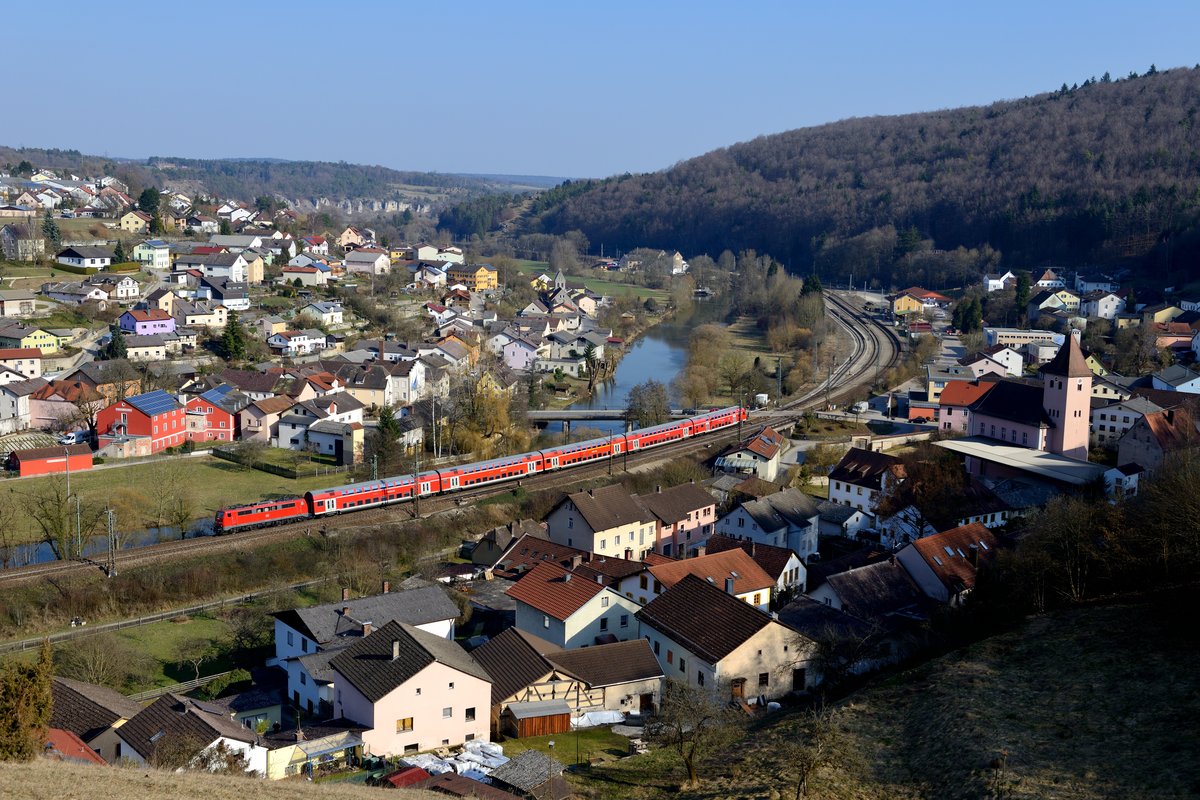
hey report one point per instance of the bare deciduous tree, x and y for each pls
(696, 722)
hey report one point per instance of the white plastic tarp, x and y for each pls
(593, 718)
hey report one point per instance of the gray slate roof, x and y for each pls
(369, 666)
(528, 770)
(86, 709)
(776, 511)
(326, 622)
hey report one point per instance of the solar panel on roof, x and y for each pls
(218, 394)
(152, 403)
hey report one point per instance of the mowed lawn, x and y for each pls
(213, 483)
(602, 286)
(161, 641)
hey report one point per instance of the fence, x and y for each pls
(30, 644)
(178, 688)
(275, 469)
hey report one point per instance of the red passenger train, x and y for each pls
(402, 488)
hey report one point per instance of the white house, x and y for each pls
(785, 519)
(413, 690)
(1102, 305)
(85, 256)
(306, 638)
(230, 266)
(1177, 378)
(153, 254)
(1109, 423)
(174, 721)
(710, 640)
(307, 276)
(996, 283)
(732, 569)
(296, 343)
(14, 404)
(369, 261)
(571, 610)
(326, 313)
(862, 477)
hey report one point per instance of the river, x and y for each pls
(96, 547)
(660, 354)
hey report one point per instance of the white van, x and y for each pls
(860, 407)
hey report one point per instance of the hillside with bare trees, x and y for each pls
(1105, 173)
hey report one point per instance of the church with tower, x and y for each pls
(1052, 417)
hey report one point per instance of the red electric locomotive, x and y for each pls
(268, 512)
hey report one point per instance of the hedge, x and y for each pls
(76, 270)
(126, 266)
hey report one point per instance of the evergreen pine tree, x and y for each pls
(116, 344)
(50, 231)
(233, 338)
(119, 256)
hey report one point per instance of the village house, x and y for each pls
(476, 277)
(606, 521)
(17, 303)
(325, 313)
(135, 221)
(153, 254)
(785, 519)
(231, 266)
(200, 314)
(142, 323)
(18, 242)
(15, 398)
(297, 343)
(412, 690)
(862, 477)
(707, 638)
(571, 610)
(123, 289)
(213, 416)
(1154, 436)
(1102, 305)
(532, 679)
(93, 713)
(17, 335)
(111, 379)
(732, 569)
(369, 261)
(686, 515)
(1176, 378)
(759, 455)
(259, 420)
(955, 401)
(142, 425)
(307, 637)
(874, 593)
(779, 563)
(300, 427)
(999, 282)
(317, 245)
(945, 565)
(176, 721)
(24, 361)
(85, 256)
(76, 293)
(307, 276)
(1110, 422)
(497, 541)
(151, 347)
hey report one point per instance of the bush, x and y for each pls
(97, 460)
(187, 447)
(214, 688)
(76, 270)
(125, 266)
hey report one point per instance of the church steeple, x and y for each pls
(1067, 399)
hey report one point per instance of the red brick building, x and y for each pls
(143, 424)
(51, 460)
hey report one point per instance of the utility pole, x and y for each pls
(110, 568)
(78, 529)
(374, 468)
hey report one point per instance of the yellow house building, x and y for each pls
(476, 277)
(907, 304)
(24, 336)
(136, 221)
(1095, 366)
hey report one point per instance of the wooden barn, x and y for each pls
(536, 718)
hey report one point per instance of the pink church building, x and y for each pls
(1052, 417)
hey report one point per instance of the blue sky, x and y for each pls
(556, 88)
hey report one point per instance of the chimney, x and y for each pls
(701, 550)
(576, 560)
(368, 626)
(395, 649)
(729, 586)
(345, 611)
(299, 733)
(751, 548)
(345, 594)
(386, 587)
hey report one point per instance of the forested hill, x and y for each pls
(1103, 173)
(248, 178)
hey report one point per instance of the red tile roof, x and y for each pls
(148, 315)
(63, 745)
(552, 590)
(773, 560)
(963, 393)
(949, 554)
(715, 568)
(7, 353)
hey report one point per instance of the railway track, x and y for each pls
(875, 348)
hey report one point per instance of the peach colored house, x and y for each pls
(686, 515)
(413, 690)
(955, 402)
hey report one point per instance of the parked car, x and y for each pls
(74, 437)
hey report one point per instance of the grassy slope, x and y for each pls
(1089, 703)
(47, 780)
(214, 483)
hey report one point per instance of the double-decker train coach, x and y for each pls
(507, 468)
(575, 453)
(268, 512)
(354, 496)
